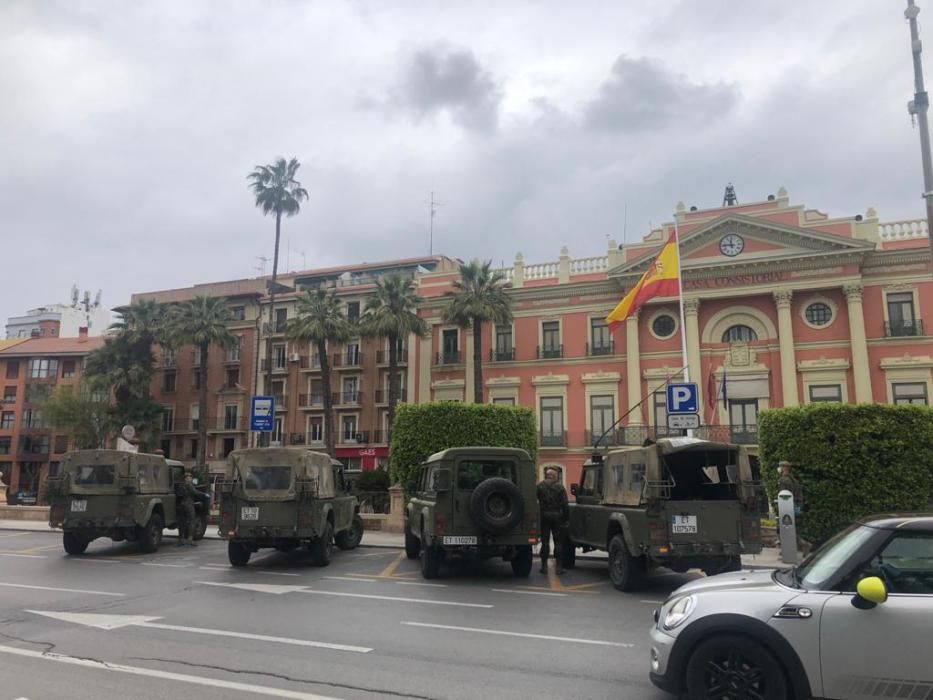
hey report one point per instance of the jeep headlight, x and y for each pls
(679, 612)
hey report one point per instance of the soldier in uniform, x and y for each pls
(185, 495)
(555, 512)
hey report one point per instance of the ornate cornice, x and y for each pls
(783, 298)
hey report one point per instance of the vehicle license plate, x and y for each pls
(79, 506)
(683, 524)
(249, 513)
(449, 539)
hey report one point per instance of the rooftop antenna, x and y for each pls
(97, 298)
(74, 295)
(261, 267)
(729, 198)
(434, 204)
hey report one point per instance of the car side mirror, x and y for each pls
(574, 489)
(869, 592)
(441, 480)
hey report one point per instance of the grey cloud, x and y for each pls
(440, 79)
(642, 94)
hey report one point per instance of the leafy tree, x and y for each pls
(479, 296)
(202, 322)
(277, 192)
(85, 415)
(391, 312)
(321, 321)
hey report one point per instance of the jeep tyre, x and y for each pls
(199, 527)
(724, 565)
(522, 561)
(739, 666)
(497, 506)
(74, 543)
(625, 571)
(238, 554)
(150, 537)
(430, 561)
(568, 556)
(322, 547)
(352, 536)
(412, 543)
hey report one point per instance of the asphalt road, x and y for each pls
(115, 623)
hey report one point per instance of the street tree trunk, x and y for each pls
(477, 360)
(202, 405)
(393, 383)
(275, 274)
(328, 398)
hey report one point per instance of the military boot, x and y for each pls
(543, 566)
(560, 567)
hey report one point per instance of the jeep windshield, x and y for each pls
(471, 474)
(93, 474)
(268, 478)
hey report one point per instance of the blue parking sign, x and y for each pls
(262, 414)
(682, 398)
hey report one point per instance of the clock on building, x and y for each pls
(731, 244)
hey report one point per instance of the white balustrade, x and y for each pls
(903, 230)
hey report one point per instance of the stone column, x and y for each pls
(692, 329)
(633, 369)
(563, 266)
(782, 298)
(518, 272)
(858, 342)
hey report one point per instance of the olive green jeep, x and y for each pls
(283, 498)
(120, 495)
(478, 502)
(681, 503)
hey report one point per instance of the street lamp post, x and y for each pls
(918, 107)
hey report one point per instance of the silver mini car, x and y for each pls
(854, 620)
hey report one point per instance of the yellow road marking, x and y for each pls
(579, 587)
(554, 581)
(390, 569)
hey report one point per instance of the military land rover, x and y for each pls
(681, 503)
(473, 502)
(283, 498)
(120, 495)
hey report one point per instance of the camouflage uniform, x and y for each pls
(185, 495)
(555, 512)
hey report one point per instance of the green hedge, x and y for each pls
(851, 461)
(423, 429)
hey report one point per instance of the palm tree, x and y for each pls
(277, 192)
(479, 296)
(126, 365)
(392, 312)
(321, 321)
(202, 322)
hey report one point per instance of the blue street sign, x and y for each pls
(262, 414)
(682, 398)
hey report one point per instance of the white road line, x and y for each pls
(215, 568)
(60, 590)
(164, 675)
(425, 601)
(15, 534)
(275, 573)
(171, 566)
(510, 590)
(418, 583)
(348, 578)
(525, 635)
(24, 556)
(96, 561)
(259, 637)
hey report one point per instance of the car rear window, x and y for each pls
(268, 478)
(471, 474)
(93, 474)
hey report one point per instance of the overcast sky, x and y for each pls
(127, 129)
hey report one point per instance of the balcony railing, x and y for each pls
(550, 352)
(312, 362)
(901, 329)
(224, 423)
(382, 356)
(501, 355)
(448, 357)
(347, 359)
(601, 348)
(553, 439)
(277, 365)
(347, 398)
(358, 438)
(382, 396)
(280, 400)
(381, 437)
(311, 400)
(635, 435)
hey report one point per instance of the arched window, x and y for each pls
(739, 334)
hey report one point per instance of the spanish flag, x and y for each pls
(659, 281)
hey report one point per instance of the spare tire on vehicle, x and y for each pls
(497, 506)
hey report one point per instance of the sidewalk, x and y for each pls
(770, 557)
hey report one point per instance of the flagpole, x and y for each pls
(680, 295)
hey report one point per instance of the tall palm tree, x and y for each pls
(127, 365)
(277, 192)
(202, 322)
(479, 296)
(392, 312)
(321, 321)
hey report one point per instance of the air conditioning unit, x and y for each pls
(360, 438)
(294, 357)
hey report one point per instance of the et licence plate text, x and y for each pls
(684, 524)
(450, 539)
(79, 506)
(249, 513)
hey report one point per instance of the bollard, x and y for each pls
(787, 527)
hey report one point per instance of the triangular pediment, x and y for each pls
(751, 241)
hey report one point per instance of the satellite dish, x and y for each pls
(128, 432)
